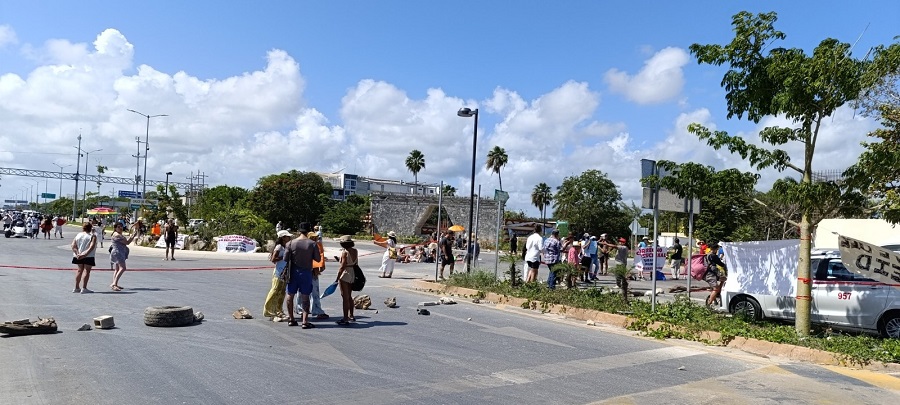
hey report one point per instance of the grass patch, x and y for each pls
(684, 319)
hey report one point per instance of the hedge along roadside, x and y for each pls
(681, 319)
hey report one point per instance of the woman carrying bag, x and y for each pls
(346, 277)
(275, 299)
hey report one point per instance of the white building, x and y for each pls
(344, 184)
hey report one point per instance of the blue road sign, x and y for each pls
(130, 194)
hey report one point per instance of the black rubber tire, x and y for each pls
(886, 331)
(168, 316)
(747, 304)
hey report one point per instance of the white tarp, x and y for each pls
(766, 267)
(235, 244)
(870, 260)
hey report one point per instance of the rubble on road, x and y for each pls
(391, 302)
(362, 302)
(84, 328)
(26, 327)
(241, 313)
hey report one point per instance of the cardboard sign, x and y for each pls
(235, 244)
(179, 242)
(869, 260)
(646, 259)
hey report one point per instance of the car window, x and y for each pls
(836, 271)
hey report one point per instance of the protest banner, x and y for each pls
(235, 244)
(870, 260)
(643, 259)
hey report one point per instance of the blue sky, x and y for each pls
(264, 87)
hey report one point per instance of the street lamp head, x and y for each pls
(168, 173)
(467, 112)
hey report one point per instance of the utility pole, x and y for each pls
(188, 196)
(77, 165)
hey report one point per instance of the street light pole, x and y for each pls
(147, 146)
(61, 167)
(468, 112)
(77, 166)
(166, 190)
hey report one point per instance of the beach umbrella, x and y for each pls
(457, 228)
(101, 211)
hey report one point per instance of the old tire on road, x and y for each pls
(168, 316)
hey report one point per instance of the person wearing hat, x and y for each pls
(346, 277)
(603, 255)
(318, 268)
(138, 229)
(272, 308)
(621, 259)
(390, 255)
(645, 242)
(300, 254)
(590, 250)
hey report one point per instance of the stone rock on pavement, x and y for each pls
(84, 327)
(447, 301)
(391, 302)
(198, 316)
(362, 302)
(423, 311)
(242, 313)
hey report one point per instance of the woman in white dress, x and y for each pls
(390, 255)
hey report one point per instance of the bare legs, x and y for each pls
(120, 269)
(347, 300)
(83, 271)
(304, 303)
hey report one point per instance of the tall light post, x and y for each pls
(467, 112)
(166, 190)
(87, 156)
(147, 146)
(37, 191)
(77, 166)
(61, 167)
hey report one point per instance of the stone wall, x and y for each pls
(406, 214)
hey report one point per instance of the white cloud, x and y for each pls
(7, 36)
(661, 79)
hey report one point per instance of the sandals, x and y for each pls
(322, 316)
(307, 326)
(293, 323)
(352, 319)
(343, 321)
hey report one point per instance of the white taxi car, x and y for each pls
(841, 298)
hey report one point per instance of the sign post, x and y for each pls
(501, 197)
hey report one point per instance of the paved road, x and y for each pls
(461, 354)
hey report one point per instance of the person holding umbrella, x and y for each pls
(346, 276)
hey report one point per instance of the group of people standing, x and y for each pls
(299, 264)
(84, 248)
(589, 254)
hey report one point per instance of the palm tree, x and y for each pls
(100, 171)
(449, 190)
(541, 197)
(496, 159)
(415, 162)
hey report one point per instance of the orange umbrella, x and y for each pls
(378, 238)
(457, 228)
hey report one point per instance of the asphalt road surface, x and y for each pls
(460, 354)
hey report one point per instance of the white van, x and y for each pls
(762, 279)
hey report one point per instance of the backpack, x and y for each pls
(359, 279)
(698, 266)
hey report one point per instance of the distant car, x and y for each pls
(16, 229)
(195, 223)
(841, 298)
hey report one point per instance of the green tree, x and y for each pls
(172, 200)
(449, 190)
(877, 171)
(415, 162)
(765, 80)
(292, 197)
(591, 203)
(346, 217)
(61, 206)
(216, 201)
(541, 197)
(496, 159)
(100, 171)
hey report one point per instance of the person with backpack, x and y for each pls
(716, 272)
(346, 276)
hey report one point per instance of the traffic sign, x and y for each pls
(130, 194)
(48, 195)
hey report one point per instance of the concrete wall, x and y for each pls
(405, 214)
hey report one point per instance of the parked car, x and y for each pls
(195, 223)
(840, 298)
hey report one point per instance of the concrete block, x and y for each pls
(104, 322)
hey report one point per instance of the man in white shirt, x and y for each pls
(533, 246)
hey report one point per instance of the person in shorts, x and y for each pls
(84, 245)
(446, 246)
(716, 273)
(170, 233)
(677, 259)
(533, 247)
(300, 254)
